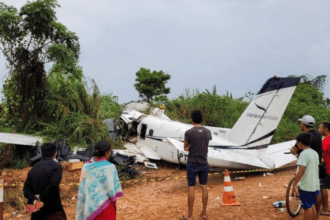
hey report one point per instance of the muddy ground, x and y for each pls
(167, 198)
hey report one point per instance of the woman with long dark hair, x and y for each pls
(99, 186)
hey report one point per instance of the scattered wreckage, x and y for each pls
(123, 162)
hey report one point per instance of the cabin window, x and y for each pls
(151, 132)
(143, 131)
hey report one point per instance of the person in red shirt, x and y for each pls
(324, 130)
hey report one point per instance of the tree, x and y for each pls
(151, 85)
(29, 39)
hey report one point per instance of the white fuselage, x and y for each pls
(152, 131)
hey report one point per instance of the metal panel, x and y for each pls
(19, 139)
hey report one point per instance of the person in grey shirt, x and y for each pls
(197, 143)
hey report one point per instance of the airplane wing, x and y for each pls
(280, 153)
(19, 139)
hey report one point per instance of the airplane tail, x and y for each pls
(256, 126)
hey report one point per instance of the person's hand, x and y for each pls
(294, 150)
(35, 202)
(294, 191)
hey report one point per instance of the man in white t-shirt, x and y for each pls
(307, 176)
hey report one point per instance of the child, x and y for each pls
(307, 176)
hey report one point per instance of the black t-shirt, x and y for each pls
(198, 138)
(316, 142)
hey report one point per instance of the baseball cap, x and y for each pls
(307, 120)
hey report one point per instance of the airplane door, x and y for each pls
(143, 131)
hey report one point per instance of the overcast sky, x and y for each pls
(235, 45)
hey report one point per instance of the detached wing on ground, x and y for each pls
(19, 139)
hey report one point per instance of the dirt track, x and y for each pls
(167, 199)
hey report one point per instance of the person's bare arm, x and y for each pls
(298, 178)
(294, 150)
(186, 146)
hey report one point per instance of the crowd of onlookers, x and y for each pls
(312, 177)
(99, 185)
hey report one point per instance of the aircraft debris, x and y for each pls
(138, 105)
(245, 146)
(150, 165)
(112, 127)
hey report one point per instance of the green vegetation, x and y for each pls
(224, 111)
(56, 104)
(29, 39)
(219, 111)
(151, 85)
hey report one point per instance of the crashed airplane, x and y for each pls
(245, 146)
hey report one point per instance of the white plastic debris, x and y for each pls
(281, 209)
(15, 212)
(216, 204)
(265, 197)
(217, 198)
(240, 178)
(270, 174)
(265, 174)
(260, 185)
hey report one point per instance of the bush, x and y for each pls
(5, 155)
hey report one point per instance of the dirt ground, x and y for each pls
(167, 198)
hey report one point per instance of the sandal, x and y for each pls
(325, 213)
(203, 216)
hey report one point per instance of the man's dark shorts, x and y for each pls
(194, 169)
(325, 182)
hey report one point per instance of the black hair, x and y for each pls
(101, 148)
(197, 117)
(48, 149)
(309, 126)
(305, 139)
(326, 125)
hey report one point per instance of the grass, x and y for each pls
(14, 198)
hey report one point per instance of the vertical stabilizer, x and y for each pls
(258, 123)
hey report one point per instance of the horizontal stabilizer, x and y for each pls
(279, 153)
